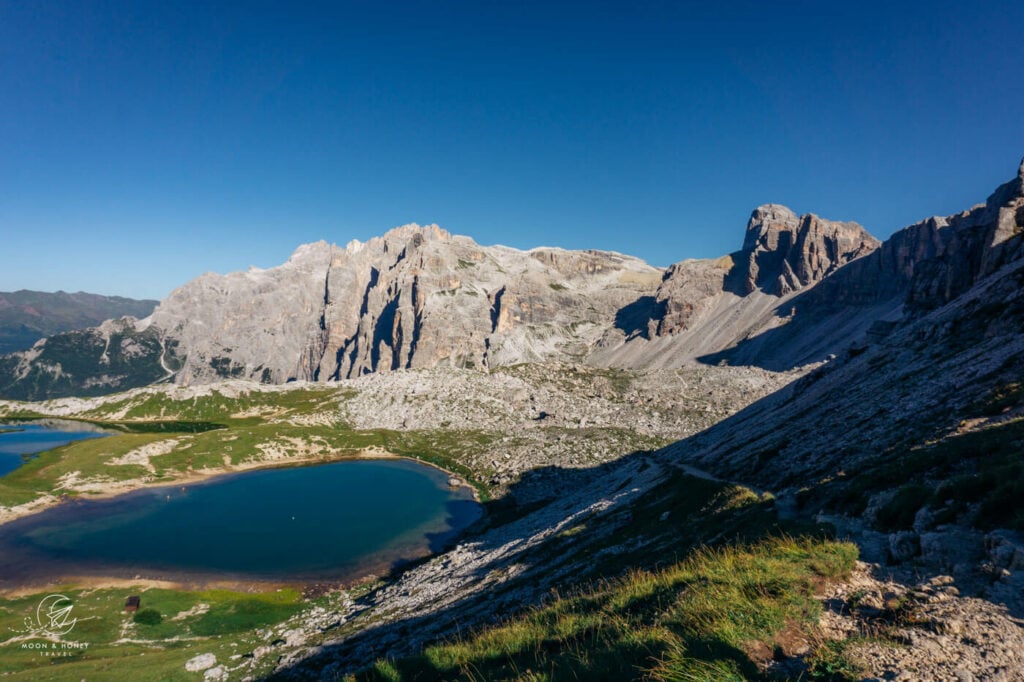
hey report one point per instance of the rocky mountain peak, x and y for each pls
(783, 252)
(766, 222)
(306, 255)
(414, 231)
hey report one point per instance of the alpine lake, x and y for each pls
(338, 521)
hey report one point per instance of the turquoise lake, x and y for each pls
(19, 440)
(336, 521)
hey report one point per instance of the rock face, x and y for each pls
(415, 297)
(802, 289)
(708, 307)
(948, 351)
(783, 253)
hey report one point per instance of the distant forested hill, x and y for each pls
(27, 316)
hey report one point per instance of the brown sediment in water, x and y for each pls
(310, 588)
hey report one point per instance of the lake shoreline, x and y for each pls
(186, 580)
(114, 488)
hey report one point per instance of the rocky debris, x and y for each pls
(142, 454)
(216, 674)
(593, 415)
(924, 632)
(201, 662)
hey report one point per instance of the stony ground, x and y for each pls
(557, 415)
(924, 632)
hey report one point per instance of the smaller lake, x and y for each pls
(335, 521)
(20, 439)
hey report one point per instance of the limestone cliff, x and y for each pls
(414, 297)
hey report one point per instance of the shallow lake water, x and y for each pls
(335, 521)
(20, 439)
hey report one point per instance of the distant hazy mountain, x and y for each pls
(27, 316)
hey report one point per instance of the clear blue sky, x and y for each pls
(143, 142)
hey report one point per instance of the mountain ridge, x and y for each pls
(27, 316)
(799, 290)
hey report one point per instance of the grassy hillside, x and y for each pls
(708, 617)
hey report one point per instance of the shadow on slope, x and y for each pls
(593, 525)
(634, 319)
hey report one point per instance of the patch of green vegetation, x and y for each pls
(464, 264)
(216, 407)
(976, 476)
(171, 627)
(170, 426)
(224, 367)
(899, 512)
(243, 614)
(831, 663)
(557, 287)
(693, 620)
(148, 617)
(90, 364)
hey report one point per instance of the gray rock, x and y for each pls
(200, 663)
(904, 545)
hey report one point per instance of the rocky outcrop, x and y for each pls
(948, 353)
(735, 308)
(415, 297)
(783, 253)
(248, 325)
(803, 289)
(909, 440)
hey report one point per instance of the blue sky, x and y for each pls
(143, 143)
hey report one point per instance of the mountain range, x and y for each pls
(799, 290)
(27, 316)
